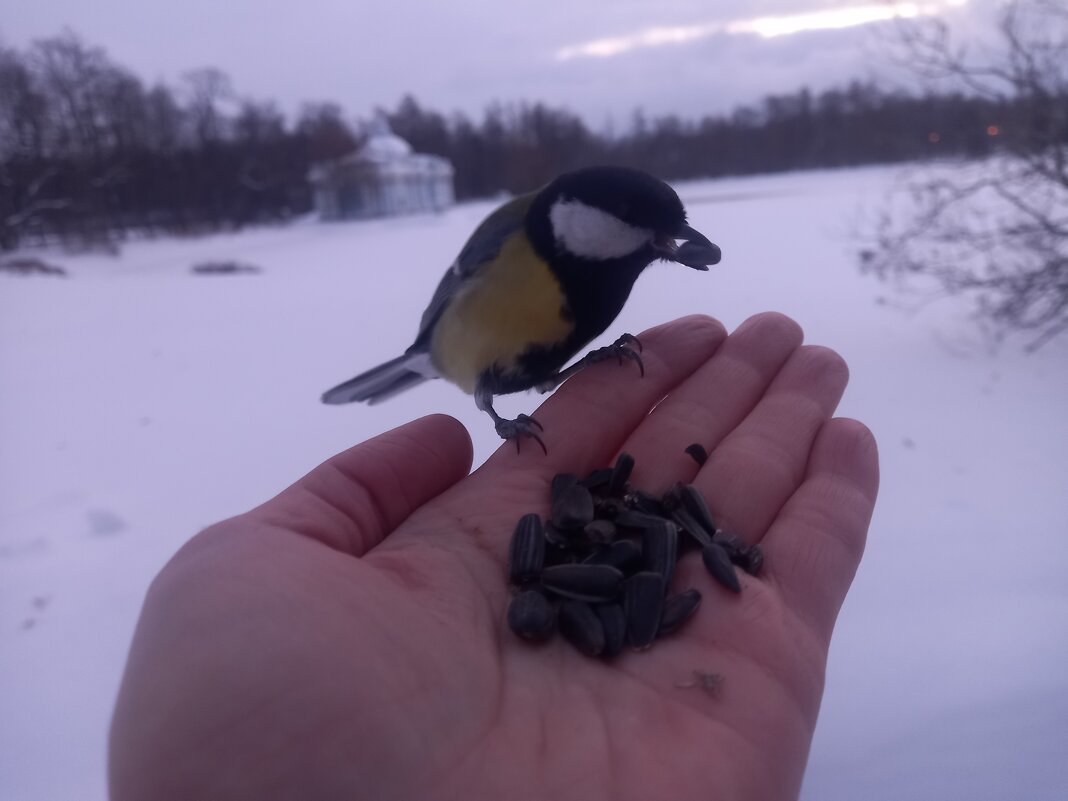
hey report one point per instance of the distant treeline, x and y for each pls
(89, 153)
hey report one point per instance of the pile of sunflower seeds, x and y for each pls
(600, 568)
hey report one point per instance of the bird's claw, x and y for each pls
(523, 426)
(622, 348)
(627, 353)
(526, 418)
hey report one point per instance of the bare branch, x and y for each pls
(995, 229)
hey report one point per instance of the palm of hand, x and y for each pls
(277, 664)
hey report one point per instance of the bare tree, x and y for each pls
(208, 89)
(995, 229)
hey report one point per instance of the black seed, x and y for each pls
(557, 537)
(644, 502)
(728, 542)
(636, 521)
(574, 507)
(531, 616)
(614, 624)
(686, 522)
(643, 600)
(561, 482)
(677, 610)
(698, 452)
(750, 560)
(526, 553)
(620, 475)
(660, 548)
(597, 556)
(600, 532)
(607, 508)
(583, 582)
(693, 503)
(621, 554)
(581, 627)
(598, 480)
(719, 565)
(672, 499)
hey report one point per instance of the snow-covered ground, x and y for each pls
(139, 402)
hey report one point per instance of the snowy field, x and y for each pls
(140, 402)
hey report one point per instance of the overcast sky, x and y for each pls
(601, 58)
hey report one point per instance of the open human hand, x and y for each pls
(347, 639)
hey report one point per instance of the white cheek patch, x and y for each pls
(591, 233)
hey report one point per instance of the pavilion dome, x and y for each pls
(382, 144)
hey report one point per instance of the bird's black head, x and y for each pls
(615, 214)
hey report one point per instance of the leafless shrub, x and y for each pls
(224, 268)
(27, 265)
(996, 230)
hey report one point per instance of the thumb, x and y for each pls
(352, 501)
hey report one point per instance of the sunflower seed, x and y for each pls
(607, 508)
(672, 499)
(693, 503)
(614, 624)
(561, 482)
(600, 532)
(636, 521)
(686, 522)
(583, 582)
(581, 627)
(644, 502)
(643, 600)
(728, 542)
(620, 475)
(698, 452)
(600, 566)
(526, 553)
(660, 548)
(598, 480)
(677, 610)
(750, 560)
(621, 554)
(531, 616)
(719, 565)
(557, 537)
(574, 507)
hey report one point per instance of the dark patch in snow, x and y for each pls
(20, 549)
(104, 522)
(25, 265)
(224, 268)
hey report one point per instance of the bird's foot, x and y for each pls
(523, 426)
(627, 346)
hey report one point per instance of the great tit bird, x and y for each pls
(539, 278)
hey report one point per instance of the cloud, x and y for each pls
(766, 27)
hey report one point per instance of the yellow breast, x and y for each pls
(512, 303)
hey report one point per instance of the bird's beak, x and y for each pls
(696, 250)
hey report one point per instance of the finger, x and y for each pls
(815, 544)
(757, 467)
(587, 419)
(712, 401)
(352, 501)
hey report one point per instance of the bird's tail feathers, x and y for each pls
(384, 381)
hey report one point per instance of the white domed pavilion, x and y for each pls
(382, 178)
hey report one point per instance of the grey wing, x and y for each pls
(481, 247)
